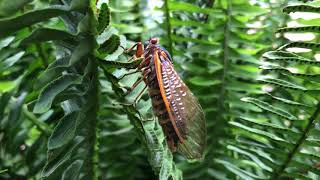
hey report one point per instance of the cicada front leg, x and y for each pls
(129, 73)
(136, 100)
(146, 71)
(137, 57)
(135, 84)
(130, 89)
(138, 53)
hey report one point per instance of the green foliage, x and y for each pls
(286, 143)
(111, 45)
(219, 59)
(68, 92)
(103, 18)
(66, 111)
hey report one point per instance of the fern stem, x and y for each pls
(92, 106)
(91, 123)
(304, 135)
(225, 57)
(168, 27)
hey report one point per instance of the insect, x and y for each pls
(179, 112)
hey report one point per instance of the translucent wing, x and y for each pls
(185, 110)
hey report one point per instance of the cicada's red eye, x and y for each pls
(153, 40)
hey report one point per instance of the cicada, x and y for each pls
(178, 110)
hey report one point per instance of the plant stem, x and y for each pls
(225, 57)
(90, 122)
(295, 149)
(168, 27)
(91, 107)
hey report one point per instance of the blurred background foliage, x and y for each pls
(65, 112)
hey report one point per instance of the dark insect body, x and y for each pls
(179, 112)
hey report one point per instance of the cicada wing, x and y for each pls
(188, 115)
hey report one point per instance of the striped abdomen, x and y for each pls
(159, 109)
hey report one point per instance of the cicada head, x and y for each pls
(152, 45)
(151, 42)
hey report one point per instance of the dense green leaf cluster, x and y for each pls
(283, 140)
(218, 46)
(65, 94)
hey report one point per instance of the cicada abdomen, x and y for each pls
(179, 112)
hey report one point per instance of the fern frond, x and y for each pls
(287, 143)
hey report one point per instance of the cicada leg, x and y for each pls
(136, 100)
(127, 74)
(135, 84)
(144, 77)
(137, 56)
(139, 68)
(139, 51)
(144, 66)
(138, 97)
(140, 79)
(132, 58)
